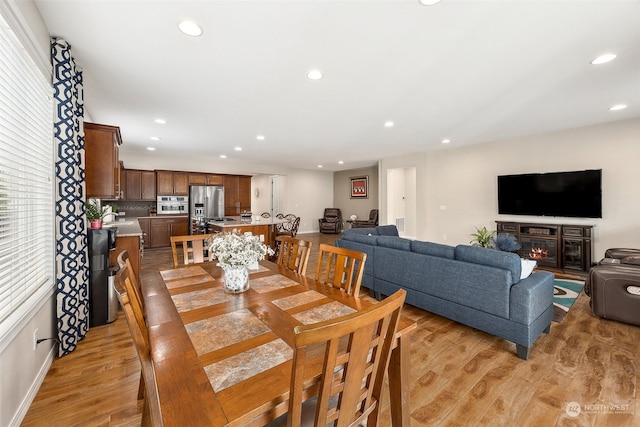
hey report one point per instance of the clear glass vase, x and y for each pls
(236, 279)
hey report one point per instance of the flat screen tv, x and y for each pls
(575, 194)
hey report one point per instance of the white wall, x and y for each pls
(464, 181)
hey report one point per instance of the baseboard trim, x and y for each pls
(33, 390)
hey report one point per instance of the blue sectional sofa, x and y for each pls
(475, 286)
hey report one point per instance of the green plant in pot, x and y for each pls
(482, 237)
(95, 214)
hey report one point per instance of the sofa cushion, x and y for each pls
(387, 230)
(394, 242)
(366, 231)
(434, 249)
(491, 257)
(361, 238)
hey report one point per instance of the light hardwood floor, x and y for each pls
(460, 376)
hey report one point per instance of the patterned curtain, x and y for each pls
(72, 273)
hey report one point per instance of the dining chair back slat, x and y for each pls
(357, 350)
(123, 261)
(194, 247)
(293, 254)
(341, 268)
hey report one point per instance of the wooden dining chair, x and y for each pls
(151, 414)
(193, 248)
(357, 349)
(293, 254)
(341, 268)
(123, 260)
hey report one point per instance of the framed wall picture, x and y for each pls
(360, 187)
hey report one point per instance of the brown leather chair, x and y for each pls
(367, 223)
(614, 286)
(331, 221)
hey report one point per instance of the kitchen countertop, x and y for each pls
(125, 227)
(234, 221)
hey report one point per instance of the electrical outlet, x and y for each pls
(35, 340)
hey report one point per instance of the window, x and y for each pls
(26, 184)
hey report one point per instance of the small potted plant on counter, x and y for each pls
(95, 214)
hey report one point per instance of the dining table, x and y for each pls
(225, 359)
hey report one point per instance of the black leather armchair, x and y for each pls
(366, 223)
(614, 286)
(331, 221)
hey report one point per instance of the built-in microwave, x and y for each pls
(172, 205)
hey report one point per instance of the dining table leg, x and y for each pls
(399, 382)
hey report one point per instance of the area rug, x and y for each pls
(565, 293)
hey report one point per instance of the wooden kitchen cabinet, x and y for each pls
(237, 194)
(205, 179)
(231, 201)
(161, 230)
(102, 162)
(145, 225)
(215, 179)
(244, 193)
(172, 183)
(139, 185)
(197, 179)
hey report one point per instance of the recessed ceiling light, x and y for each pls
(190, 28)
(223, 156)
(160, 121)
(341, 162)
(238, 148)
(446, 141)
(260, 137)
(388, 124)
(429, 2)
(603, 59)
(618, 107)
(319, 166)
(314, 75)
(151, 149)
(155, 138)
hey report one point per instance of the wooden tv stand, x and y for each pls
(556, 247)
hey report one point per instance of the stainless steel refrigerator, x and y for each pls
(206, 202)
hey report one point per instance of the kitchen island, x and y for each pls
(265, 228)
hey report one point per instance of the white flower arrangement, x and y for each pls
(234, 250)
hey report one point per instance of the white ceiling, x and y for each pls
(471, 71)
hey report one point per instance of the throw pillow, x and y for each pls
(527, 267)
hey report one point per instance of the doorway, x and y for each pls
(401, 200)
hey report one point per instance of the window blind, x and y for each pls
(26, 187)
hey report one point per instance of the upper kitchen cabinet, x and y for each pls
(205, 179)
(139, 185)
(237, 194)
(172, 183)
(102, 163)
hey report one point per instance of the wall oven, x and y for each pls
(173, 205)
